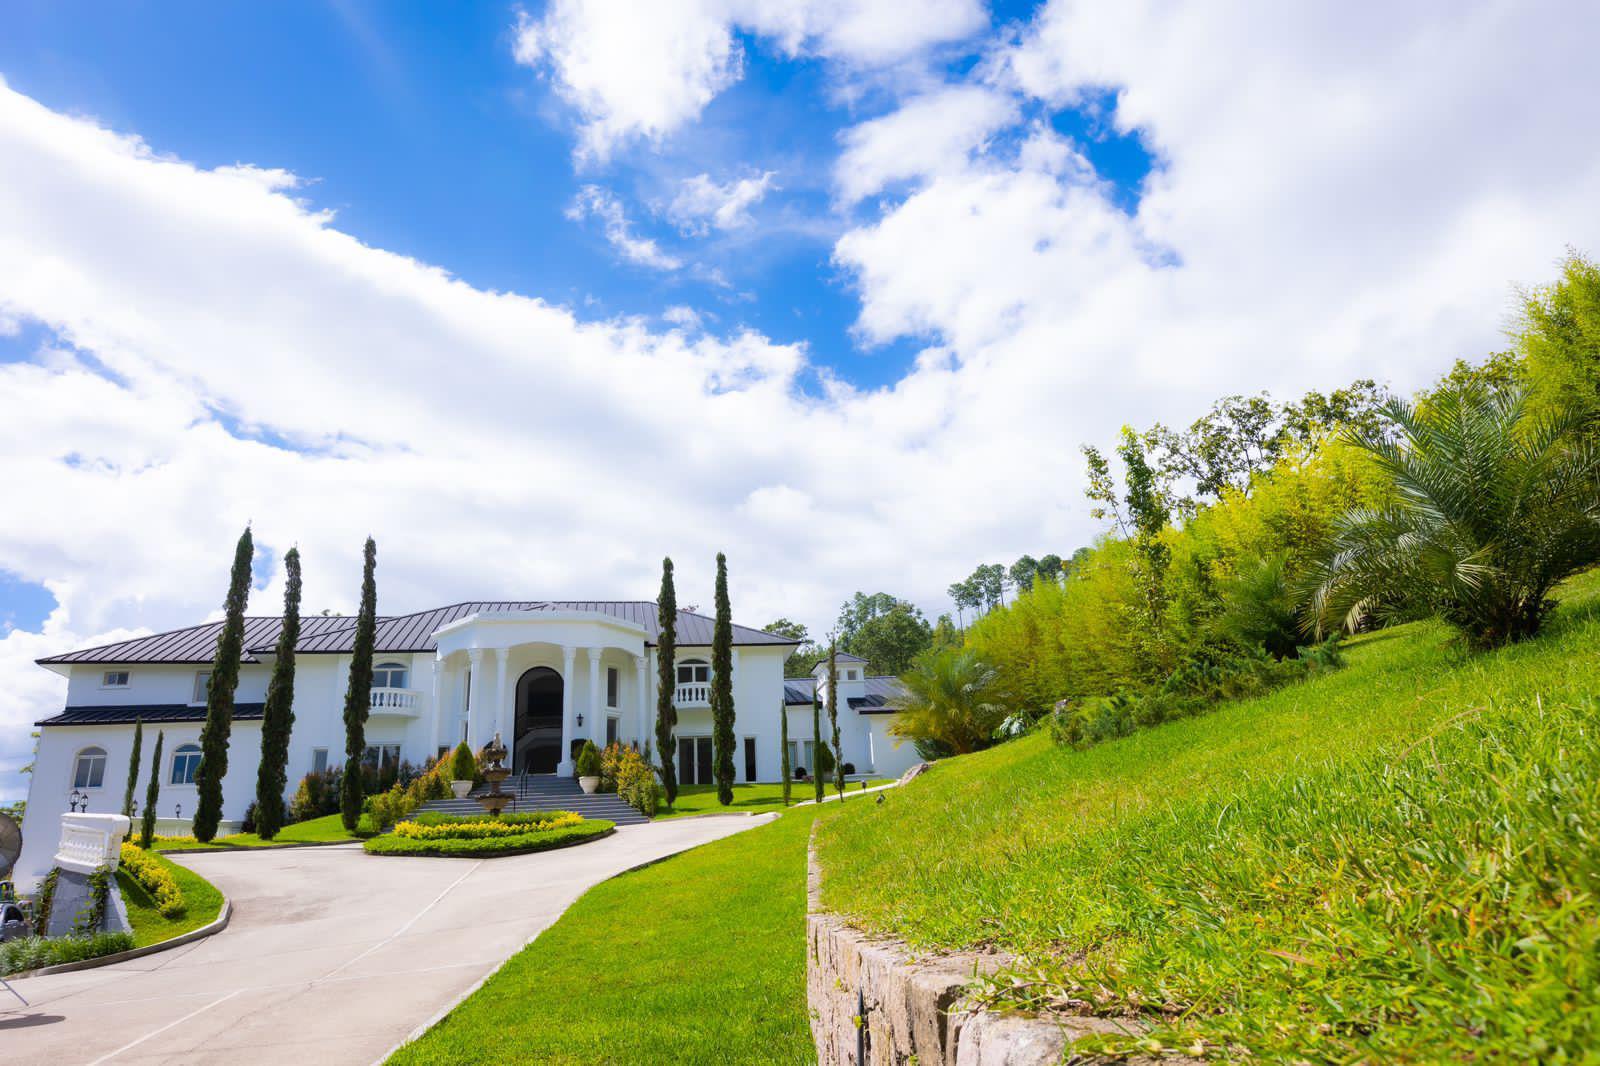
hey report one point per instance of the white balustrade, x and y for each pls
(90, 841)
(693, 694)
(403, 702)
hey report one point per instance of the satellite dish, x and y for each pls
(10, 844)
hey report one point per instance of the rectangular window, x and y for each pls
(749, 758)
(381, 756)
(613, 686)
(114, 679)
(319, 760)
(849, 675)
(202, 686)
(611, 730)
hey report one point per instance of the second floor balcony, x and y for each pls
(692, 694)
(395, 702)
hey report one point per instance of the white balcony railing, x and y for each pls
(693, 694)
(401, 702)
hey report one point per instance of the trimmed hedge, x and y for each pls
(509, 818)
(520, 844)
(155, 879)
(32, 952)
(486, 830)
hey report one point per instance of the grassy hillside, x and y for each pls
(1395, 862)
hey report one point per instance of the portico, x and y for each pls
(488, 666)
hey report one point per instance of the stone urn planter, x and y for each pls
(589, 784)
(461, 788)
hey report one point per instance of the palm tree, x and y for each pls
(950, 703)
(1493, 506)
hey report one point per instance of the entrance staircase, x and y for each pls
(546, 792)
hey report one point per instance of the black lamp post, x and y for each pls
(77, 799)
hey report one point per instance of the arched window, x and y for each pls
(185, 761)
(389, 675)
(89, 769)
(691, 671)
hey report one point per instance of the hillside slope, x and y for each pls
(1399, 861)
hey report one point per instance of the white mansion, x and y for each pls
(544, 675)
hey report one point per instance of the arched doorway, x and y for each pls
(536, 748)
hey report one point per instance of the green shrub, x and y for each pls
(316, 796)
(156, 879)
(33, 952)
(824, 760)
(588, 760)
(463, 764)
(522, 843)
(509, 818)
(484, 828)
(623, 770)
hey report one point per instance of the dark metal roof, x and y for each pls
(398, 633)
(151, 714)
(883, 696)
(197, 644)
(799, 691)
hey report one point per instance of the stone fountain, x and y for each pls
(494, 754)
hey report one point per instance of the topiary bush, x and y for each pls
(589, 760)
(463, 764)
(484, 838)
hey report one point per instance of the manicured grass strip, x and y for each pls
(749, 799)
(1391, 863)
(202, 902)
(697, 959)
(489, 847)
(326, 830)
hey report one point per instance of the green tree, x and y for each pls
(806, 654)
(277, 719)
(1148, 510)
(967, 597)
(1049, 567)
(945, 634)
(1493, 506)
(1559, 337)
(722, 714)
(1022, 573)
(833, 716)
(358, 692)
(133, 768)
(147, 824)
(783, 751)
(892, 640)
(1259, 608)
(219, 696)
(667, 679)
(817, 745)
(950, 703)
(858, 610)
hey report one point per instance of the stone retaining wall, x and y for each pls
(873, 1002)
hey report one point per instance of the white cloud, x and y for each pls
(642, 69)
(593, 201)
(702, 203)
(1343, 192)
(927, 135)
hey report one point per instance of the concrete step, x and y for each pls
(544, 792)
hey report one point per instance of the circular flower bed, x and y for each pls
(480, 836)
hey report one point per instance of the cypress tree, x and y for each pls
(722, 688)
(833, 716)
(147, 826)
(816, 743)
(219, 698)
(783, 747)
(133, 768)
(277, 720)
(358, 695)
(667, 679)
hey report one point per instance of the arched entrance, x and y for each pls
(536, 748)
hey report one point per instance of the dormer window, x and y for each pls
(202, 686)
(849, 675)
(114, 679)
(389, 675)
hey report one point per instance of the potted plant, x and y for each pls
(589, 767)
(463, 768)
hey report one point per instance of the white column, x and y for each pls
(502, 697)
(568, 656)
(642, 667)
(475, 685)
(439, 717)
(597, 720)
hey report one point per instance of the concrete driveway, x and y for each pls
(332, 956)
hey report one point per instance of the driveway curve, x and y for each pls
(332, 955)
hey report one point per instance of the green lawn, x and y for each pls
(323, 830)
(1394, 862)
(149, 927)
(699, 958)
(753, 799)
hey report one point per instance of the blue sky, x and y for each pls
(835, 286)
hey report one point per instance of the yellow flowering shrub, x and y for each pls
(155, 879)
(483, 829)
